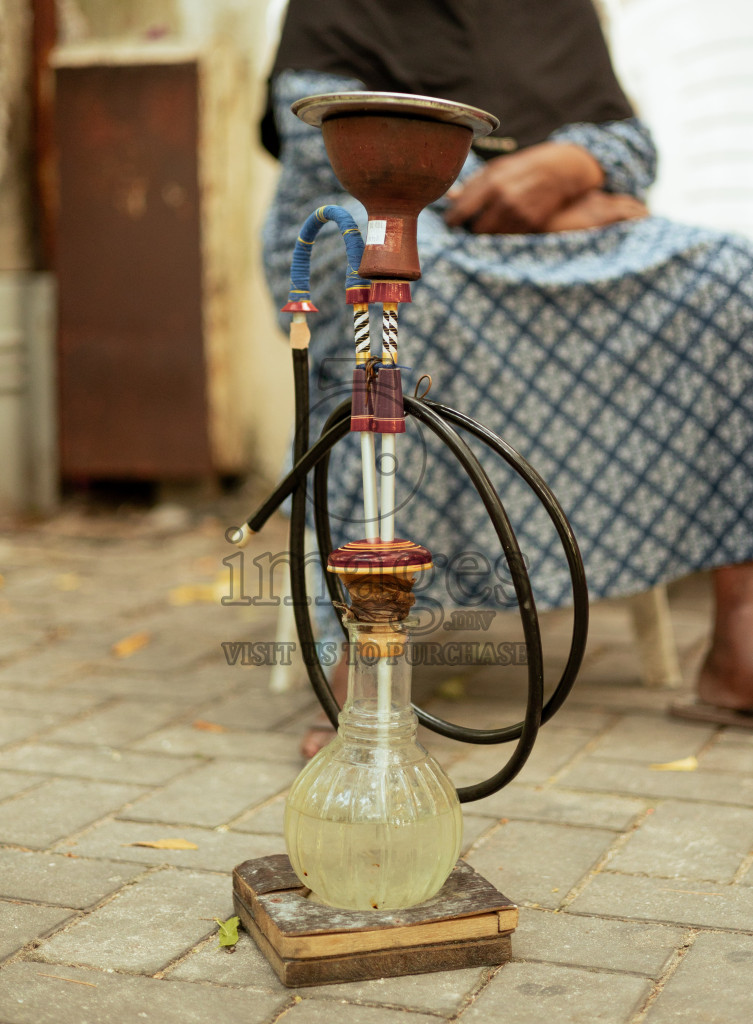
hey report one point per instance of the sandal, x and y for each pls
(699, 711)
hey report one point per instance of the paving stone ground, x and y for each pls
(122, 722)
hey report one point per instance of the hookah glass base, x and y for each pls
(373, 822)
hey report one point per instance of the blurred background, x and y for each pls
(138, 346)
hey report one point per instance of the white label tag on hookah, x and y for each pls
(376, 233)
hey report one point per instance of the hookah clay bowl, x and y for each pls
(396, 153)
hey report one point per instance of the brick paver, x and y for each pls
(525, 993)
(215, 850)
(712, 983)
(56, 808)
(537, 803)
(39, 993)
(634, 883)
(103, 763)
(215, 793)
(678, 900)
(23, 922)
(689, 840)
(596, 942)
(539, 863)
(179, 906)
(61, 879)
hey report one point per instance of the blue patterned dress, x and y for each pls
(618, 361)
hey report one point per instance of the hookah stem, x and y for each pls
(368, 467)
(387, 489)
(389, 447)
(368, 452)
(384, 702)
(387, 502)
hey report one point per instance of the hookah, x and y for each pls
(373, 823)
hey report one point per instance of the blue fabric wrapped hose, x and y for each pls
(301, 264)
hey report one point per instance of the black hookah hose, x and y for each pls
(298, 593)
(441, 420)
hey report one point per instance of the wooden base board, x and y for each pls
(467, 924)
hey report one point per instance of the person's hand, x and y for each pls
(520, 192)
(596, 209)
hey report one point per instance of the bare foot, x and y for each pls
(596, 209)
(726, 676)
(319, 734)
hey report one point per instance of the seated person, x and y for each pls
(613, 349)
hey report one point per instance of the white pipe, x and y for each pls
(388, 476)
(370, 503)
(384, 700)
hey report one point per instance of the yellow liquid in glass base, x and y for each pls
(373, 865)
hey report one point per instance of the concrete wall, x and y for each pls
(15, 138)
(27, 436)
(243, 24)
(27, 414)
(688, 65)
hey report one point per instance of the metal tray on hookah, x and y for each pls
(314, 110)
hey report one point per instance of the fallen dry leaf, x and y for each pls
(165, 844)
(453, 689)
(130, 644)
(67, 581)
(193, 593)
(693, 892)
(200, 593)
(73, 981)
(685, 764)
(208, 726)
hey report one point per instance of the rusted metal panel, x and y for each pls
(132, 375)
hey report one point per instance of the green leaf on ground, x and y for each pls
(228, 931)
